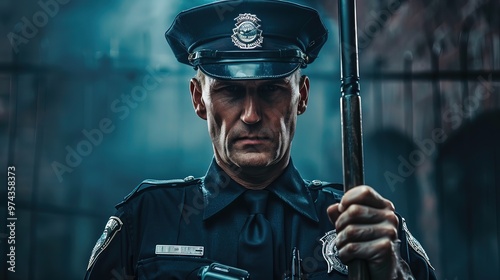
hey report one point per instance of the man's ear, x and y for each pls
(304, 94)
(197, 98)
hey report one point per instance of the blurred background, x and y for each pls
(92, 102)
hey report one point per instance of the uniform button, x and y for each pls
(317, 182)
(189, 178)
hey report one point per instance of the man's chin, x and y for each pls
(253, 160)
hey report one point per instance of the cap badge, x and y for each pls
(330, 253)
(247, 34)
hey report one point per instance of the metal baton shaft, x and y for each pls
(350, 106)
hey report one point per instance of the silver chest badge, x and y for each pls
(247, 34)
(330, 253)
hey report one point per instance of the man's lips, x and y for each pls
(251, 140)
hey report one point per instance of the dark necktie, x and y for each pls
(255, 251)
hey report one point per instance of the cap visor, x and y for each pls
(249, 70)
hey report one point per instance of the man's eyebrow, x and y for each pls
(284, 81)
(216, 82)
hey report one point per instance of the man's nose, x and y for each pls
(251, 110)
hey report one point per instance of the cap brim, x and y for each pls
(249, 70)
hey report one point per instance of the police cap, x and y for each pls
(244, 40)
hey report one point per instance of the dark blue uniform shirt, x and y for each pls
(208, 213)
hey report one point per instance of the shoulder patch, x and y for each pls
(415, 245)
(150, 183)
(113, 226)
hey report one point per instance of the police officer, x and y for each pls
(252, 214)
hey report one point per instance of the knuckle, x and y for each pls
(351, 248)
(355, 210)
(392, 233)
(390, 205)
(350, 232)
(386, 245)
(391, 217)
(365, 190)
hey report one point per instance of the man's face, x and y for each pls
(251, 123)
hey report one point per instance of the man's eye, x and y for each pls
(270, 88)
(233, 89)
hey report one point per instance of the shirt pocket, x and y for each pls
(170, 267)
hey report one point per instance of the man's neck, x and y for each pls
(255, 178)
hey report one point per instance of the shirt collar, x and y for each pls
(219, 190)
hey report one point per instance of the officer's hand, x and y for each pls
(367, 230)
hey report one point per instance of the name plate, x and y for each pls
(179, 250)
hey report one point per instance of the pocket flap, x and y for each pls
(170, 267)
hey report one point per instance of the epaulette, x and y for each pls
(150, 183)
(337, 190)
